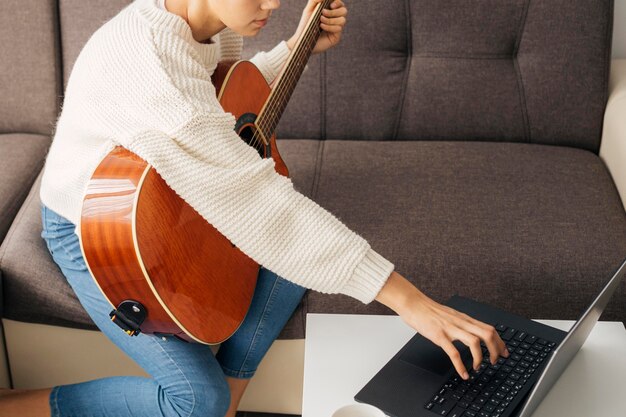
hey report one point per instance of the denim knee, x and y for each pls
(208, 399)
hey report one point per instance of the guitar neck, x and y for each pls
(286, 82)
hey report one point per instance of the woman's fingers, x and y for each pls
(485, 332)
(333, 21)
(495, 344)
(473, 342)
(342, 11)
(489, 335)
(455, 356)
(471, 332)
(330, 28)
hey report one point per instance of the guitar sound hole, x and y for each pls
(247, 134)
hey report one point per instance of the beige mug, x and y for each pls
(358, 410)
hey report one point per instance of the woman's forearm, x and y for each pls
(398, 293)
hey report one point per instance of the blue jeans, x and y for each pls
(187, 379)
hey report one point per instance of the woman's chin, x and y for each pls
(252, 30)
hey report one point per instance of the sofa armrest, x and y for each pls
(613, 144)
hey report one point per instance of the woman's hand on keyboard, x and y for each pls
(441, 324)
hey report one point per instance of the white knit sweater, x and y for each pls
(143, 82)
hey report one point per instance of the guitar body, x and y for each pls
(145, 245)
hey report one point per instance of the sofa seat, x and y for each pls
(500, 222)
(534, 229)
(22, 157)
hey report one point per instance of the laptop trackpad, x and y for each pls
(426, 355)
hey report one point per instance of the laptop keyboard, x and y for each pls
(489, 391)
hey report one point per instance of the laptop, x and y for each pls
(421, 381)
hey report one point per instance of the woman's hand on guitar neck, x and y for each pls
(440, 323)
(331, 22)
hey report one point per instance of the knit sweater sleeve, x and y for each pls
(271, 62)
(259, 210)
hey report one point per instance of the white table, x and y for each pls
(344, 351)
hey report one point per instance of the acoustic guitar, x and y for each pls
(165, 269)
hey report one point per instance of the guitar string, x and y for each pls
(279, 94)
(300, 57)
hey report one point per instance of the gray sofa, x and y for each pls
(473, 144)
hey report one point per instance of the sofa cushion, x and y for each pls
(522, 71)
(34, 288)
(534, 229)
(22, 157)
(499, 222)
(31, 71)
(36, 291)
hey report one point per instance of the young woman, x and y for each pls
(143, 81)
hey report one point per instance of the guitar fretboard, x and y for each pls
(286, 82)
